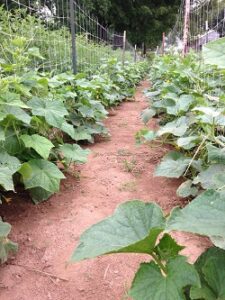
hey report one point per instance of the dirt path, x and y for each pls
(117, 171)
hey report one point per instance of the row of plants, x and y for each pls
(49, 43)
(45, 116)
(187, 98)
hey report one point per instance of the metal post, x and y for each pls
(73, 35)
(124, 46)
(135, 53)
(186, 26)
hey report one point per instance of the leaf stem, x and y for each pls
(159, 263)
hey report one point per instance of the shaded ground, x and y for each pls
(117, 171)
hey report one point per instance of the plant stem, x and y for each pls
(159, 263)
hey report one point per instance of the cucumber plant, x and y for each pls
(138, 227)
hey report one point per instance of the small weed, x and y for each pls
(124, 152)
(130, 186)
(129, 166)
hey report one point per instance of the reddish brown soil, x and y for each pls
(117, 171)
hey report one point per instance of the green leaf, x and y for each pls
(82, 134)
(210, 266)
(8, 166)
(39, 143)
(188, 142)
(74, 153)
(214, 53)
(186, 189)
(13, 144)
(173, 165)
(134, 227)
(6, 246)
(147, 114)
(52, 110)
(43, 174)
(216, 155)
(150, 284)
(182, 105)
(39, 195)
(167, 247)
(17, 113)
(2, 134)
(177, 127)
(12, 99)
(212, 178)
(204, 215)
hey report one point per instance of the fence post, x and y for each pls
(73, 36)
(135, 53)
(124, 46)
(186, 26)
(163, 43)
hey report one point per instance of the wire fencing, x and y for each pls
(198, 22)
(58, 35)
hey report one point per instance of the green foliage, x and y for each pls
(139, 227)
(188, 96)
(44, 114)
(6, 246)
(141, 18)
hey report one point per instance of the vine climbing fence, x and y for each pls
(61, 35)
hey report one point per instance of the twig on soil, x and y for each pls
(39, 272)
(106, 271)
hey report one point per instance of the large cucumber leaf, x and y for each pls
(41, 173)
(74, 153)
(204, 216)
(134, 227)
(212, 178)
(210, 266)
(39, 143)
(150, 284)
(52, 110)
(216, 155)
(177, 127)
(173, 165)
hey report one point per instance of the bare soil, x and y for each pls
(117, 171)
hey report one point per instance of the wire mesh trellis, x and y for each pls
(206, 23)
(42, 29)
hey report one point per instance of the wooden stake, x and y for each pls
(186, 26)
(163, 43)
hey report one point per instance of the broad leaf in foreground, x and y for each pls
(204, 216)
(150, 284)
(41, 173)
(74, 153)
(134, 227)
(39, 143)
(173, 165)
